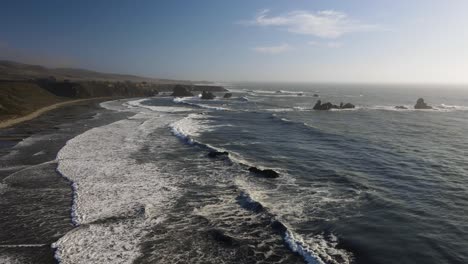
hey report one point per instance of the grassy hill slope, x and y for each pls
(18, 99)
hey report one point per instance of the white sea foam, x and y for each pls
(453, 107)
(169, 109)
(410, 108)
(189, 127)
(115, 105)
(279, 110)
(12, 259)
(109, 184)
(185, 100)
(3, 188)
(42, 152)
(101, 156)
(243, 98)
(22, 245)
(317, 249)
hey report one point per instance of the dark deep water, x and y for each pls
(390, 185)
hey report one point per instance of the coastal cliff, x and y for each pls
(26, 88)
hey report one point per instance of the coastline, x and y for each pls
(36, 199)
(14, 121)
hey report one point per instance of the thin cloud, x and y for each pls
(327, 24)
(273, 49)
(330, 44)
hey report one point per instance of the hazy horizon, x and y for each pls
(359, 42)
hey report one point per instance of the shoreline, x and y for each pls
(14, 121)
(37, 190)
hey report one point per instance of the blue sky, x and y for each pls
(283, 40)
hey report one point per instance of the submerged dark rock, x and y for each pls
(401, 107)
(180, 91)
(278, 226)
(227, 95)
(420, 104)
(217, 154)
(316, 95)
(207, 95)
(245, 202)
(222, 238)
(267, 173)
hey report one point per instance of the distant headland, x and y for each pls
(26, 89)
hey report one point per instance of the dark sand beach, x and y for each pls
(35, 199)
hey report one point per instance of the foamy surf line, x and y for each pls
(101, 156)
(108, 184)
(188, 127)
(180, 100)
(23, 245)
(294, 241)
(185, 128)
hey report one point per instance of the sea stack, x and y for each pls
(227, 95)
(207, 95)
(420, 104)
(329, 106)
(181, 91)
(267, 173)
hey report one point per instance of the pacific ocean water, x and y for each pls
(374, 184)
(369, 185)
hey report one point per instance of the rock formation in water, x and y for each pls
(267, 173)
(217, 154)
(180, 91)
(325, 106)
(207, 95)
(227, 95)
(420, 104)
(329, 106)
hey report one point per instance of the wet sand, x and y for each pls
(35, 200)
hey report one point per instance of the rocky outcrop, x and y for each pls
(329, 106)
(267, 173)
(227, 95)
(207, 95)
(420, 104)
(180, 91)
(325, 106)
(218, 154)
(347, 106)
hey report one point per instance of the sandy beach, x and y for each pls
(31, 190)
(38, 112)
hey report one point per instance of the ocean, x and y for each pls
(373, 184)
